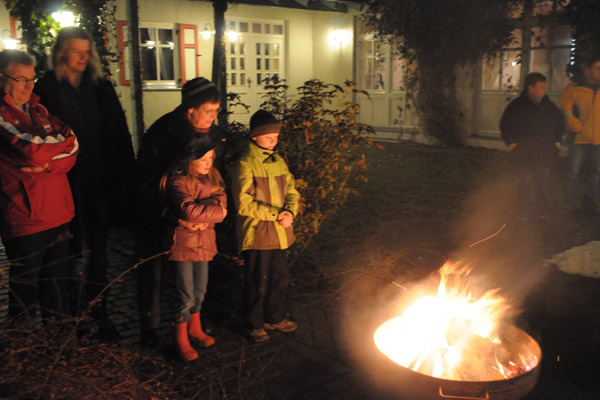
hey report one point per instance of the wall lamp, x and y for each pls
(8, 41)
(232, 35)
(340, 36)
(64, 18)
(208, 31)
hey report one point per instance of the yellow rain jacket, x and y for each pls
(262, 187)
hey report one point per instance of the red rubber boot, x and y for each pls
(197, 335)
(181, 342)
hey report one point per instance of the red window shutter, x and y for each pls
(191, 45)
(13, 28)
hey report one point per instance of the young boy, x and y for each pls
(267, 202)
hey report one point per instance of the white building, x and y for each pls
(300, 40)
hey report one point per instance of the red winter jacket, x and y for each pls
(32, 202)
(191, 200)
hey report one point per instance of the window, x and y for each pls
(540, 49)
(156, 51)
(378, 67)
(503, 72)
(550, 54)
(254, 52)
(168, 54)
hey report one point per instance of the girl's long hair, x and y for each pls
(60, 48)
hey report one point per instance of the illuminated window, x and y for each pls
(378, 67)
(157, 48)
(503, 72)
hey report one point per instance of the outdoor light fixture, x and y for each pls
(231, 35)
(208, 31)
(64, 18)
(9, 42)
(340, 36)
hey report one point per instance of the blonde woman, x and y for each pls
(75, 91)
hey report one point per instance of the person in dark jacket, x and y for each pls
(76, 92)
(532, 127)
(36, 204)
(162, 143)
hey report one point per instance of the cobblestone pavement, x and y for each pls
(307, 363)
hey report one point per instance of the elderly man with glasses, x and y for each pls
(161, 144)
(36, 204)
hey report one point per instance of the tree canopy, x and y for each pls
(437, 37)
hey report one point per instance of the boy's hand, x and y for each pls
(285, 218)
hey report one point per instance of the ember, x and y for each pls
(454, 335)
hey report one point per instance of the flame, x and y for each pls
(453, 335)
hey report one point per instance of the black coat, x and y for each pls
(535, 128)
(161, 145)
(106, 160)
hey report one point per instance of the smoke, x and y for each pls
(503, 251)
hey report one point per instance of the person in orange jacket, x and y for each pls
(581, 105)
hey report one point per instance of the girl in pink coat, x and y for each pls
(197, 201)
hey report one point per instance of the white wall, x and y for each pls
(309, 50)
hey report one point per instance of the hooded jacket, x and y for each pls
(262, 187)
(32, 202)
(192, 200)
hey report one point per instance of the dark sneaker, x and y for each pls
(259, 335)
(284, 326)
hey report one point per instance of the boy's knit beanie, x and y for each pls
(263, 122)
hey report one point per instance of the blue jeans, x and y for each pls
(584, 163)
(191, 279)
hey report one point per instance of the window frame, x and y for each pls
(161, 83)
(179, 54)
(368, 38)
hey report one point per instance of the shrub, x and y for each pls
(323, 145)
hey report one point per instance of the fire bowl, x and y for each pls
(407, 384)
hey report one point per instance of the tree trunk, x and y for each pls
(136, 69)
(219, 77)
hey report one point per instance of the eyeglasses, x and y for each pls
(21, 79)
(211, 112)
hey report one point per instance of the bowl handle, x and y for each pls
(447, 396)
